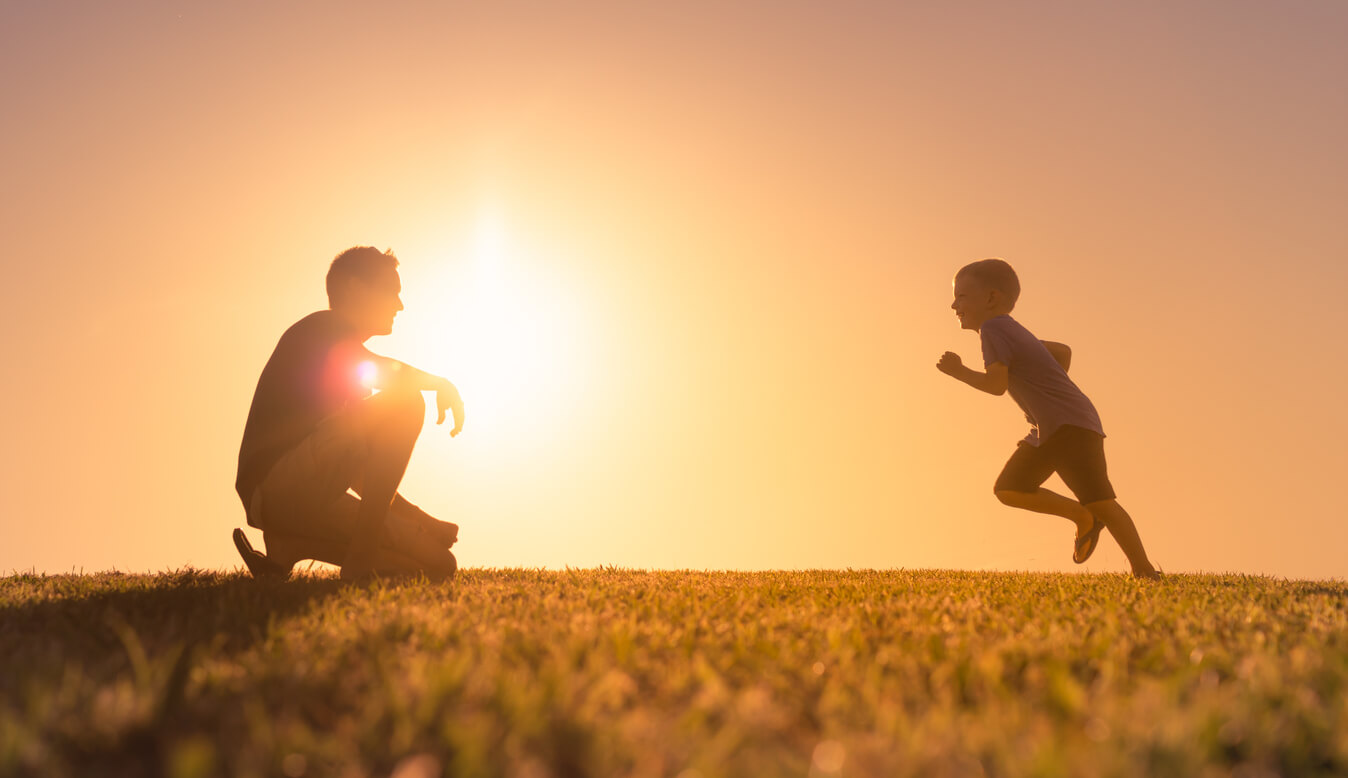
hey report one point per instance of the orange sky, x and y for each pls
(720, 238)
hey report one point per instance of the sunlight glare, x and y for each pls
(366, 371)
(516, 336)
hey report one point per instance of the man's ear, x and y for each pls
(346, 289)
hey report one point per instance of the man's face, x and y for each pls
(973, 303)
(375, 302)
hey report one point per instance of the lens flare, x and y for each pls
(366, 372)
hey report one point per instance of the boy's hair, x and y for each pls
(994, 274)
(363, 262)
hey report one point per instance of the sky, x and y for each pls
(689, 265)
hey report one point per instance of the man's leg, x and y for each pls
(287, 549)
(259, 565)
(391, 422)
(293, 548)
(444, 533)
(1121, 526)
(310, 515)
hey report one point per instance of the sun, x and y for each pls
(502, 322)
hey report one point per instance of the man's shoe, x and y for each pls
(258, 564)
(447, 532)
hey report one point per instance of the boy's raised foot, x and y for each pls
(1086, 541)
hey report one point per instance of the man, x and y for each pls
(315, 430)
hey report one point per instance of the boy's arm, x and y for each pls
(1061, 353)
(993, 382)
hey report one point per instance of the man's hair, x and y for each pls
(994, 274)
(363, 262)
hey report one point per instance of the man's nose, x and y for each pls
(399, 302)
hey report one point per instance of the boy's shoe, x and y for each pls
(258, 564)
(1087, 541)
(1154, 575)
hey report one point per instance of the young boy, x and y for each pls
(1066, 436)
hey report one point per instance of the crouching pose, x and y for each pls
(315, 430)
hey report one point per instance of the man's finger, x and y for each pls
(441, 418)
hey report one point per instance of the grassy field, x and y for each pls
(620, 672)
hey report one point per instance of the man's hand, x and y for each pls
(950, 363)
(447, 398)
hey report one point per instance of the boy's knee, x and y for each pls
(1007, 496)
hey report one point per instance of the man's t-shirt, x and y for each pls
(313, 373)
(1036, 381)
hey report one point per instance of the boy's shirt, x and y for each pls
(1036, 381)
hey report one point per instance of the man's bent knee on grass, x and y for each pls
(315, 430)
(305, 512)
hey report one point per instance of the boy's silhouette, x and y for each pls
(315, 430)
(1066, 436)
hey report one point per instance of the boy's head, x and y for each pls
(983, 290)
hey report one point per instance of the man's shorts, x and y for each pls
(305, 492)
(1076, 454)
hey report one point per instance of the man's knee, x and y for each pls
(1008, 496)
(400, 409)
(447, 565)
(439, 564)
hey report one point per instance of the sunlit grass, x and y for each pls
(620, 672)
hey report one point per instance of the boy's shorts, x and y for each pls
(1074, 453)
(305, 492)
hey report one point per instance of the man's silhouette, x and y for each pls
(315, 430)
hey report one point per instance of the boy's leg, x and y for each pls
(1019, 486)
(1121, 526)
(1084, 470)
(1042, 500)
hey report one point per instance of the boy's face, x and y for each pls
(974, 303)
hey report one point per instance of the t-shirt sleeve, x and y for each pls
(996, 344)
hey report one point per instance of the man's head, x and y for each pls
(363, 288)
(983, 290)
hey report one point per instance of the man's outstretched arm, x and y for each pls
(993, 382)
(390, 374)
